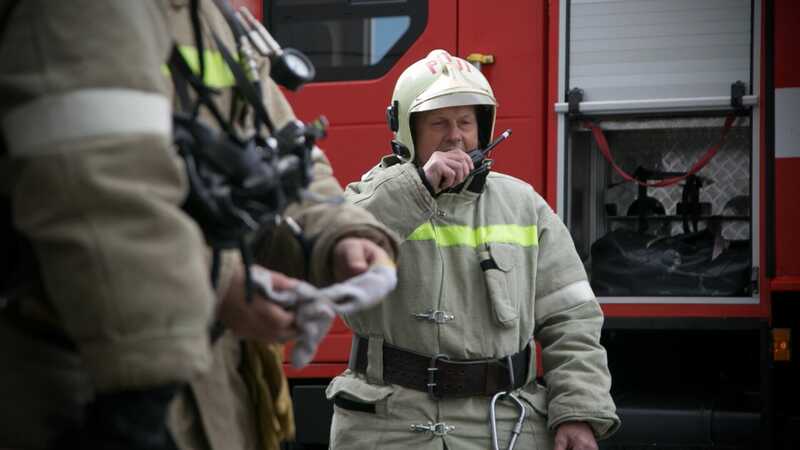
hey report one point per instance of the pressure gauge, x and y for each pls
(291, 68)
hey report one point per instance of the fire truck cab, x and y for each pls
(664, 133)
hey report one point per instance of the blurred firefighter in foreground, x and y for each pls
(485, 266)
(108, 319)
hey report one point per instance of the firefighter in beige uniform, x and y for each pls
(120, 316)
(484, 266)
(223, 409)
(94, 185)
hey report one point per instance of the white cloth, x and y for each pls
(315, 307)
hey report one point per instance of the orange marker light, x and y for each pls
(781, 344)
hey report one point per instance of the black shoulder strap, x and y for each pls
(245, 87)
(180, 69)
(230, 17)
(180, 83)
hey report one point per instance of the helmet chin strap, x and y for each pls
(401, 150)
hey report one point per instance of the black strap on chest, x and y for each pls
(238, 184)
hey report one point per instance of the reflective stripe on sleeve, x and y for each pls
(563, 299)
(36, 127)
(457, 235)
(217, 72)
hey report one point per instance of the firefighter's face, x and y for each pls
(445, 129)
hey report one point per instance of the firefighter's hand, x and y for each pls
(353, 256)
(575, 436)
(259, 320)
(447, 169)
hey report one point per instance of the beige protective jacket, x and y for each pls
(125, 300)
(536, 287)
(231, 406)
(96, 187)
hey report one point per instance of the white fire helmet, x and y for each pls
(438, 81)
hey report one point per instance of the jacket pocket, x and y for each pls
(355, 426)
(498, 265)
(354, 394)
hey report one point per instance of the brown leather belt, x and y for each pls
(441, 377)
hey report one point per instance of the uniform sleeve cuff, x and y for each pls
(603, 423)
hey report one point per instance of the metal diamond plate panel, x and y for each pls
(726, 177)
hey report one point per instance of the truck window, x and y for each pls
(347, 39)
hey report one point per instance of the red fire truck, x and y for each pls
(697, 270)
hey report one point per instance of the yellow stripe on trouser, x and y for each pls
(454, 235)
(217, 72)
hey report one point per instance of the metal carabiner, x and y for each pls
(517, 430)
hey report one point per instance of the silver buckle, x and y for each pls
(437, 316)
(511, 380)
(432, 369)
(438, 429)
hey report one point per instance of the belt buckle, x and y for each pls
(510, 368)
(432, 369)
(506, 374)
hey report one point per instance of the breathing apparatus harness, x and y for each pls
(237, 184)
(240, 186)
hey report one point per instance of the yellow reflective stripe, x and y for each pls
(218, 74)
(453, 235)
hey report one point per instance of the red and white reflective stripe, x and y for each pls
(38, 127)
(787, 122)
